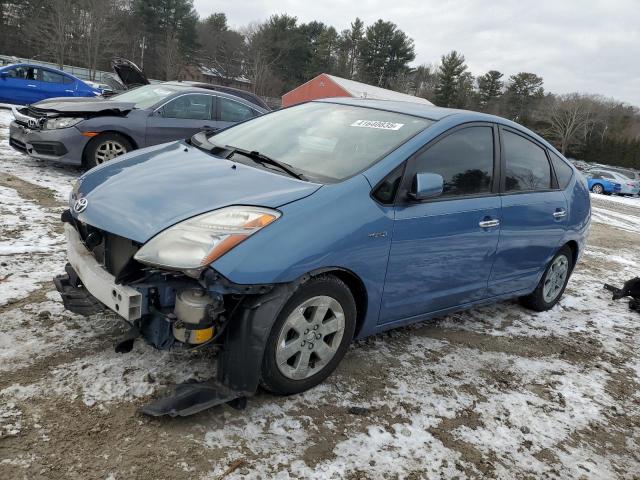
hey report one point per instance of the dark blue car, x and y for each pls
(22, 84)
(285, 237)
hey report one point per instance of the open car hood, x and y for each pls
(129, 73)
(151, 189)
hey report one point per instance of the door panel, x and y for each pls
(534, 215)
(440, 256)
(529, 237)
(442, 249)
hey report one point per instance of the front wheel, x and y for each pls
(552, 283)
(597, 188)
(105, 147)
(310, 336)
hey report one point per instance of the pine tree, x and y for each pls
(450, 79)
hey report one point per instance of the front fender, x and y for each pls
(339, 226)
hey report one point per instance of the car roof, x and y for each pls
(431, 112)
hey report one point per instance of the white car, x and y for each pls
(628, 186)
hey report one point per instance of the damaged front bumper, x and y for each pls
(64, 145)
(123, 300)
(243, 318)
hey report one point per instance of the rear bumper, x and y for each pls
(100, 284)
(65, 145)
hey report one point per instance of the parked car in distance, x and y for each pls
(628, 186)
(93, 131)
(285, 237)
(601, 185)
(625, 172)
(22, 83)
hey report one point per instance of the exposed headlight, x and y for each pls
(61, 122)
(193, 244)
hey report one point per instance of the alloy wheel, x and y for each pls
(597, 189)
(310, 337)
(109, 150)
(555, 278)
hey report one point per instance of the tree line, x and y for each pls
(166, 36)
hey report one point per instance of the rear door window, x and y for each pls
(52, 77)
(527, 168)
(464, 159)
(231, 111)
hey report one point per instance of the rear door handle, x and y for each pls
(488, 223)
(560, 213)
(32, 86)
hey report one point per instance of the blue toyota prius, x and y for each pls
(283, 238)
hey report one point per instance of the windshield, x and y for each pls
(324, 141)
(145, 97)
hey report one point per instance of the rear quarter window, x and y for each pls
(563, 171)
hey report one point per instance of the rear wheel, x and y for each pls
(310, 336)
(597, 188)
(552, 283)
(105, 147)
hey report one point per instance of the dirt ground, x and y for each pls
(495, 392)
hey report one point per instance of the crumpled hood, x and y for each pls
(81, 105)
(151, 189)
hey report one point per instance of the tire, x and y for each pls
(283, 369)
(105, 147)
(542, 299)
(597, 188)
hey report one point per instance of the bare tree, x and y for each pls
(56, 28)
(259, 63)
(570, 116)
(95, 26)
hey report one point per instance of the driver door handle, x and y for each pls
(488, 223)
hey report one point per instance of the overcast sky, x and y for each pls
(588, 46)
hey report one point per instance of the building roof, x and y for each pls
(362, 90)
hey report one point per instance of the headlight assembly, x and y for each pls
(193, 244)
(61, 122)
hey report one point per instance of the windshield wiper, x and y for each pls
(261, 158)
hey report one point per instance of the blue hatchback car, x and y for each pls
(283, 238)
(22, 84)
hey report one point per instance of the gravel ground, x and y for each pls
(494, 392)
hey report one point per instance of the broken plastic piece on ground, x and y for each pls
(631, 288)
(190, 398)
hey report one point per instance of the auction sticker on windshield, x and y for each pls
(377, 124)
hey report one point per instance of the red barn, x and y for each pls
(327, 86)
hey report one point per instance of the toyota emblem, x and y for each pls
(80, 205)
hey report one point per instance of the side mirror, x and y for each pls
(426, 185)
(3, 75)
